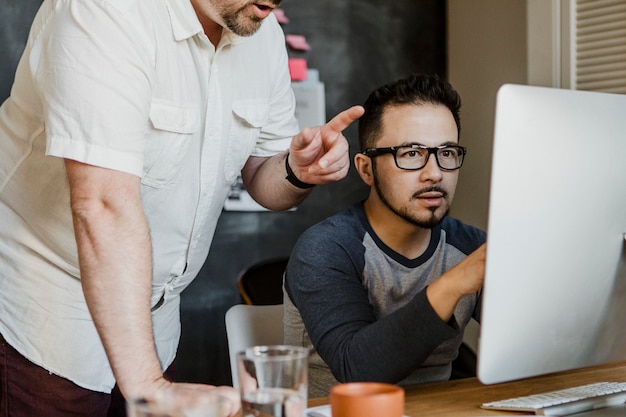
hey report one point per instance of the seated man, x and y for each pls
(383, 290)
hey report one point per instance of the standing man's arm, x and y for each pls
(114, 250)
(317, 155)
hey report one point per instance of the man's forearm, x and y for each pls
(116, 271)
(317, 155)
(116, 278)
(463, 279)
(264, 179)
(397, 343)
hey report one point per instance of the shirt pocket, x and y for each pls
(167, 143)
(249, 116)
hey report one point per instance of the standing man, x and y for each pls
(127, 123)
(383, 290)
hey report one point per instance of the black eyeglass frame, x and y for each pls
(374, 152)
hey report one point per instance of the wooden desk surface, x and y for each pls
(462, 398)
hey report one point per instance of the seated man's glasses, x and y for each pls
(414, 157)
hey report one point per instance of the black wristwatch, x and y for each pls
(291, 177)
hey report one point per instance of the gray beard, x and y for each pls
(237, 24)
(233, 24)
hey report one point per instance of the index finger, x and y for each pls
(345, 119)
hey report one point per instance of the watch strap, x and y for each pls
(291, 177)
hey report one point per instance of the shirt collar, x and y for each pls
(185, 23)
(231, 37)
(183, 19)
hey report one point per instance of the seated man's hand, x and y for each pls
(463, 279)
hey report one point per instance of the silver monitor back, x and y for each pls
(555, 285)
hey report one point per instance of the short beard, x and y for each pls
(242, 25)
(425, 223)
(234, 24)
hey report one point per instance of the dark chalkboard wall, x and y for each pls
(16, 17)
(356, 45)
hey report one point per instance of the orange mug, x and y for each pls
(366, 399)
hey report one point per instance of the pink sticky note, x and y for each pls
(297, 69)
(297, 42)
(280, 16)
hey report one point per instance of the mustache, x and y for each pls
(430, 189)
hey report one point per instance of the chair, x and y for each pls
(262, 283)
(464, 366)
(260, 320)
(251, 325)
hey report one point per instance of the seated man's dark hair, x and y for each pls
(415, 89)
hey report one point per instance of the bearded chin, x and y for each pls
(240, 28)
(432, 221)
(426, 222)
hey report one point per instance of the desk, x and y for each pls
(463, 397)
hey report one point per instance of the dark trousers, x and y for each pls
(27, 390)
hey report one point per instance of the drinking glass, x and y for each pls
(273, 381)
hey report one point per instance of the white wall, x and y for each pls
(487, 47)
(492, 42)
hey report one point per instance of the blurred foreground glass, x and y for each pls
(273, 381)
(182, 404)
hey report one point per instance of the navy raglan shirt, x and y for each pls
(363, 306)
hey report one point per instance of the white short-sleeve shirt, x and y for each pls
(134, 86)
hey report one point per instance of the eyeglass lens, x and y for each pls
(416, 158)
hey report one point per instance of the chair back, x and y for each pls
(252, 325)
(262, 283)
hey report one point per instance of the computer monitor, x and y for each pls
(554, 296)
